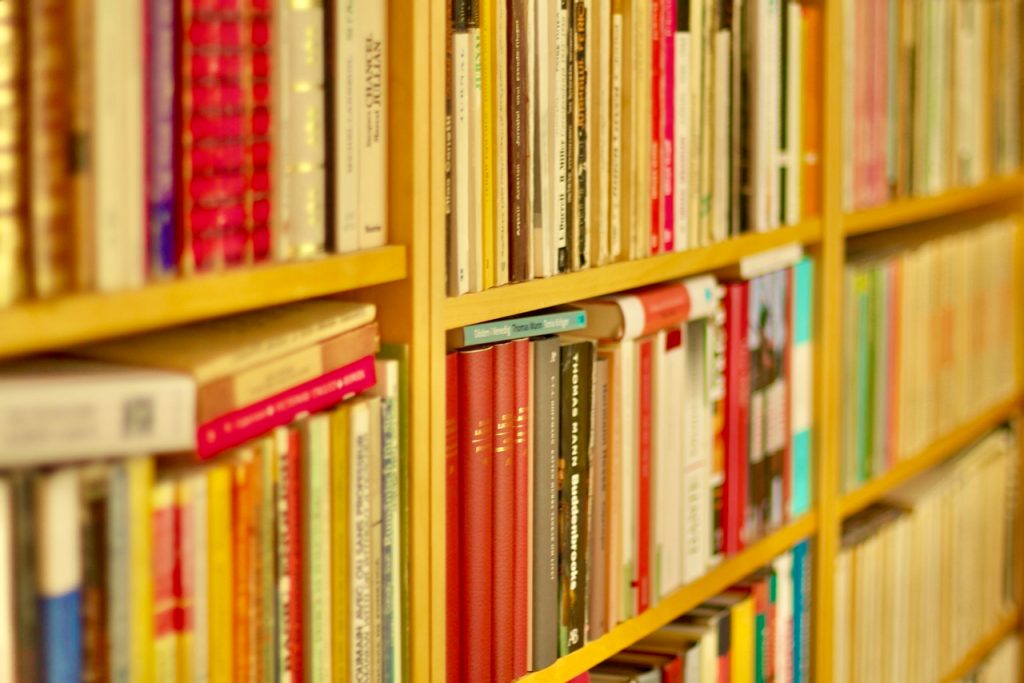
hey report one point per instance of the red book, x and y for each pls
(293, 560)
(244, 516)
(645, 358)
(668, 33)
(520, 592)
(476, 449)
(657, 95)
(503, 548)
(167, 617)
(453, 645)
(737, 405)
(256, 419)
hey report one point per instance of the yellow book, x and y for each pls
(140, 477)
(339, 541)
(741, 658)
(487, 138)
(219, 589)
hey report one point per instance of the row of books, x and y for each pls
(925, 575)
(1002, 665)
(932, 96)
(593, 473)
(146, 140)
(283, 560)
(205, 387)
(929, 342)
(758, 630)
(581, 133)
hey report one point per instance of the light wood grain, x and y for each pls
(937, 452)
(681, 601)
(541, 293)
(984, 647)
(48, 324)
(908, 211)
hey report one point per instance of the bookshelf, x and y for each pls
(1010, 623)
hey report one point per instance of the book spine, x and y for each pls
(160, 179)
(453, 578)
(372, 123)
(461, 77)
(657, 91)
(558, 322)
(95, 494)
(617, 132)
(13, 235)
(521, 453)
(801, 614)
(697, 454)
(260, 152)
(244, 490)
(391, 555)
(290, 546)
(165, 550)
(721, 191)
(562, 125)
(476, 453)
(477, 265)
(8, 647)
(245, 424)
(598, 551)
(601, 96)
(547, 392)
(486, 136)
(341, 506)
(347, 103)
(26, 616)
(801, 387)
(580, 130)
(576, 360)
(681, 128)
(645, 435)
(501, 77)
(315, 470)
(301, 205)
(667, 31)
(520, 44)
(503, 502)
(375, 528)
(59, 575)
(737, 398)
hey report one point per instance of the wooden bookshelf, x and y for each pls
(679, 602)
(905, 212)
(984, 647)
(542, 293)
(48, 324)
(936, 452)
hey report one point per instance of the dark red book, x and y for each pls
(645, 360)
(476, 479)
(453, 612)
(520, 591)
(503, 548)
(737, 405)
(657, 95)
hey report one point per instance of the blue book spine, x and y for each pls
(160, 166)
(801, 614)
(558, 322)
(60, 621)
(801, 371)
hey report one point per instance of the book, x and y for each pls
(161, 182)
(372, 126)
(14, 231)
(576, 387)
(453, 517)
(546, 396)
(346, 105)
(315, 471)
(289, 551)
(102, 409)
(801, 388)
(508, 329)
(523, 508)
(521, 48)
(736, 423)
(503, 481)
(166, 565)
(462, 183)
(7, 595)
(361, 609)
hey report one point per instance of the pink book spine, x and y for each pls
(882, 104)
(862, 140)
(245, 424)
(668, 26)
(657, 92)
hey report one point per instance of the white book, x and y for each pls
(709, 654)
(695, 455)
(794, 112)
(347, 102)
(372, 122)
(783, 566)
(462, 217)
(720, 161)
(376, 542)
(600, 72)
(541, 18)
(6, 582)
(316, 544)
(500, 174)
(615, 135)
(666, 470)
(476, 164)
(681, 149)
(562, 148)
(699, 53)
(64, 410)
(118, 145)
(360, 617)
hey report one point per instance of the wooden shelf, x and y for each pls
(516, 299)
(44, 325)
(678, 603)
(910, 211)
(936, 452)
(984, 647)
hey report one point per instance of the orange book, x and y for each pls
(813, 102)
(243, 531)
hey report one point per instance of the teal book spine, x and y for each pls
(802, 396)
(558, 322)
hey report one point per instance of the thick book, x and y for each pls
(546, 441)
(577, 364)
(636, 313)
(503, 505)
(736, 423)
(360, 604)
(522, 451)
(555, 322)
(476, 453)
(453, 531)
(59, 574)
(62, 409)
